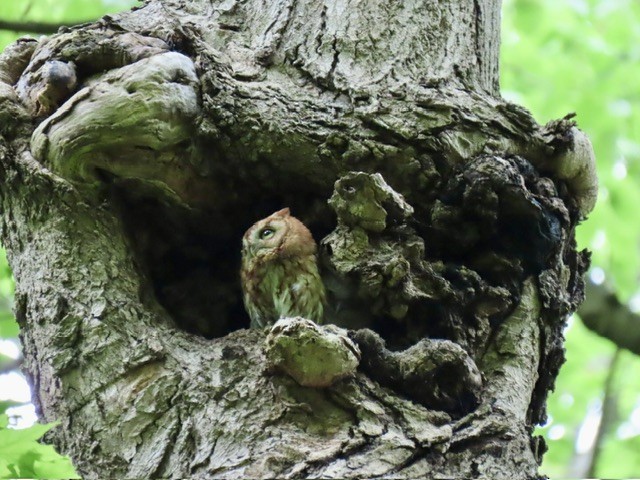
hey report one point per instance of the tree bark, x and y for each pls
(136, 150)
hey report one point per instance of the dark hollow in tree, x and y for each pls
(135, 151)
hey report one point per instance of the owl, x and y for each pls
(279, 272)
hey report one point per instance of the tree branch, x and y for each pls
(36, 27)
(609, 413)
(585, 461)
(605, 315)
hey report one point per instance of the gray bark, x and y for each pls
(136, 150)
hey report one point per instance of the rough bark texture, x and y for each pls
(136, 150)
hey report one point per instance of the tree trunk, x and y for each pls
(134, 153)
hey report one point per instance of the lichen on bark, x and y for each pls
(314, 356)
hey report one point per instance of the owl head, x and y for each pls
(278, 236)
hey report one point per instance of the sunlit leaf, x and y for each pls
(22, 456)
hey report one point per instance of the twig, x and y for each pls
(609, 413)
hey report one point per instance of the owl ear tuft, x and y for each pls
(284, 213)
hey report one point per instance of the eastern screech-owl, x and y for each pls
(279, 271)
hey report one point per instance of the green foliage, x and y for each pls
(575, 393)
(21, 456)
(8, 325)
(621, 469)
(583, 56)
(56, 11)
(579, 390)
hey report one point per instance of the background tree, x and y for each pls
(580, 48)
(532, 90)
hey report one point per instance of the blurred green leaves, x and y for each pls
(8, 325)
(56, 11)
(21, 456)
(584, 56)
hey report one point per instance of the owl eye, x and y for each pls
(266, 233)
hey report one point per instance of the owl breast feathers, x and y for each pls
(279, 272)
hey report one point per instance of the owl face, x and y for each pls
(265, 237)
(279, 272)
(278, 235)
